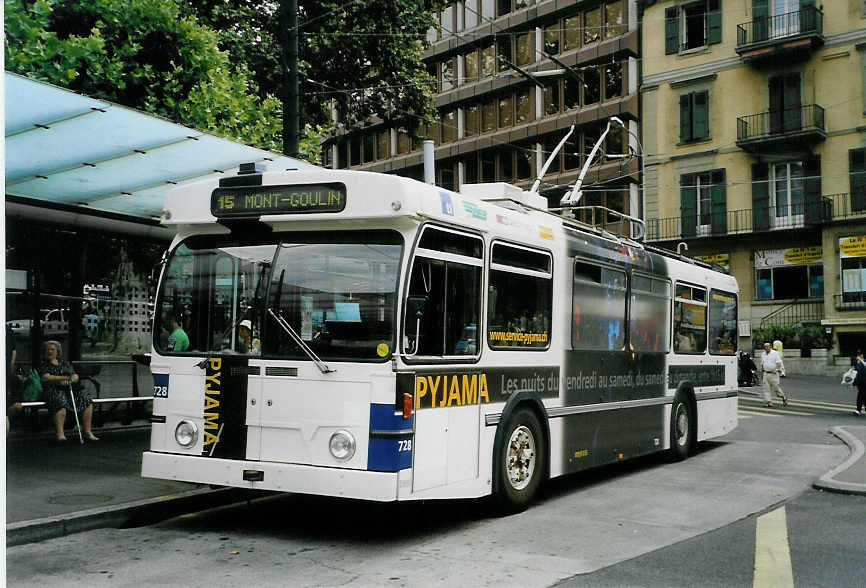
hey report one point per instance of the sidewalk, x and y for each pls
(54, 490)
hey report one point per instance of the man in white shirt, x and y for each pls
(771, 363)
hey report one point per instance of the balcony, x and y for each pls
(850, 301)
(784, 38)
(793, 128)
(831, 208)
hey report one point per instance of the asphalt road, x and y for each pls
(644, 522)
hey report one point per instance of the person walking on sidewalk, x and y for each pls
(771, 363)
(860, 383)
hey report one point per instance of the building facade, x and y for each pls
(497, 124)
(754, 122)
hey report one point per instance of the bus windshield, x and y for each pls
(337, 290)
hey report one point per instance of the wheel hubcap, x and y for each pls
(520, 458)
(682, 424)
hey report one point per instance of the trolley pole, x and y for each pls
(289, 26)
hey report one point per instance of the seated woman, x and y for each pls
(56, 375)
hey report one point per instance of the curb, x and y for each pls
(826, 482)
(140, 512)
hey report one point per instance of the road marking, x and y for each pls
(772, 554)
(766, 414)
(829, 406)
(778, 410)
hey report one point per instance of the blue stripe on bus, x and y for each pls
(389, 454)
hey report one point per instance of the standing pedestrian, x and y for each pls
(771, 363)
(860, 383)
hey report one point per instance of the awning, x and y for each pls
(77, 155)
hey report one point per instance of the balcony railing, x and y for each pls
(805, 122)
(807, 21)
(834, 207)
(798, 312)
(850, 301)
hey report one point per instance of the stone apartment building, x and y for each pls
(754, 123)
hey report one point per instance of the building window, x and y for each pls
(525, 156)
(506, 111)
(447, 20)
(613, 18)
(449, 126)
(488, 10)
(403, 142)
(525, 49)
(503, 50)
(383, 144)
(503, 7)
(788, 193)
(506, 165)
(783, 274)
(592, 26)
(523, 110)
(326, 155)
(488, 61)
(703, 203)
(342, 155)
(571, 93)
(548, 145)
(470, 67)
(551, 98)
(488, 115)
(551, 38)
(471, 120)
(448, 70)
(592, 84)
(571, 26)
(470, 169)
(470, 13)
(612, 80)
(694, 116)
(355, 151)
(692, 25)
(853, 269)
(369, 147)
(447, 176)
(857, 170)
(488, 166)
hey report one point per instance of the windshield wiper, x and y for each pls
(323, 367)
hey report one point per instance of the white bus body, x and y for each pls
(463, 347)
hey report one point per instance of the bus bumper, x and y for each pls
(282, 477)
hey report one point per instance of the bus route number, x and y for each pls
(227, 202)
(160, 391)
(160, 385)
(404, 445)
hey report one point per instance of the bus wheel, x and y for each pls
(682, 429)
(520, 463)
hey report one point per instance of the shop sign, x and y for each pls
(722, 259)
(852, 246)
(765, 258)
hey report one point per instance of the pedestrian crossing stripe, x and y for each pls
(832, 407)
(780, 410)
(768, 414)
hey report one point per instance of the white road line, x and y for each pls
(753, 413)
(772, 554)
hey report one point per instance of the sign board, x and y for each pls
(722, 259)
(852, 246)
(767, 258)
(253, 201)
(16, 279)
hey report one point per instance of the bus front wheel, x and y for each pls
(682, 428)
(520, 463)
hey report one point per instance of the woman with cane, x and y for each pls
(57, 378)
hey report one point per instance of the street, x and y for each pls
(645, 522)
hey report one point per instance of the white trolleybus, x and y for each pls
(363, 335)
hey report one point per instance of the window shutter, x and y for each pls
(760, 197)
(700, 115)
(808, 20)
(714, 22)
(685, 118)
(672, 31)
(719, 205)
(688, 205)
(759, 18)
(813, 200)
(857, 168)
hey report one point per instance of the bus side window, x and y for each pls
(650, 314)
(723, 323)
(520, 298)
(447, 292)
(598, 307)
(690, 319)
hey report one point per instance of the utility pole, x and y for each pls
(289, 27)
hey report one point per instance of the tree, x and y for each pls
(364, 55)
(145, 54)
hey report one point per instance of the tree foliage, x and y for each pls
(364, 55)
(146, 54)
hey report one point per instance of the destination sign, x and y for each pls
(258, 200)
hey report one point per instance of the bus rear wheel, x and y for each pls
(682, 429)
(520, 463)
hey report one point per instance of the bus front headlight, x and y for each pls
(342, 445)
(186, 434)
